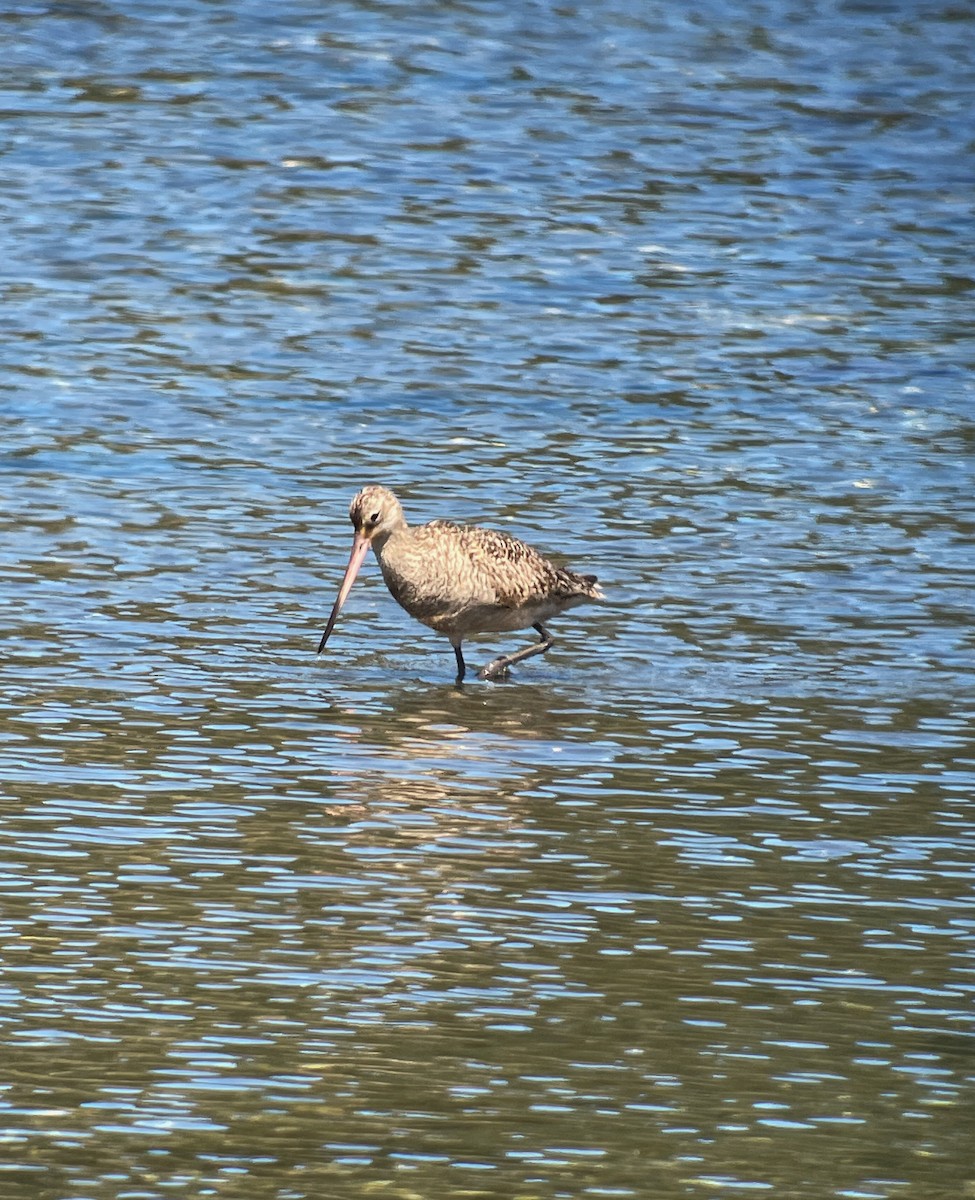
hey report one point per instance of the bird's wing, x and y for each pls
(499, 569)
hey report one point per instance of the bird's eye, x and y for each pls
(374, 519)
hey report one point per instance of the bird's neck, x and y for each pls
(381, 540)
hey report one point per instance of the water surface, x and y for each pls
(684, 297)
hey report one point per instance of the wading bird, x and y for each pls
(460, 579)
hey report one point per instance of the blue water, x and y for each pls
(684, 298)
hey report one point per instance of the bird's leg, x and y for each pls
(461, 665)
(498, 667)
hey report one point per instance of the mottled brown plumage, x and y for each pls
(460, 579)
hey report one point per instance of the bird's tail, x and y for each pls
(592, 589)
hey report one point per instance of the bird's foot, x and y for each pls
(497, 668)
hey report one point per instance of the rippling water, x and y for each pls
(684, 295)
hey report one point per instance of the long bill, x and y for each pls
(360, 548)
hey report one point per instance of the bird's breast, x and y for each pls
(430, 577)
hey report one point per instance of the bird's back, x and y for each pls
(508, 568)
(467, 578)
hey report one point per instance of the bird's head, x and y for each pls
(375, 514)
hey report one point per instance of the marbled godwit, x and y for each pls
(460, 579)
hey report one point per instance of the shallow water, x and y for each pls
(684, 909)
